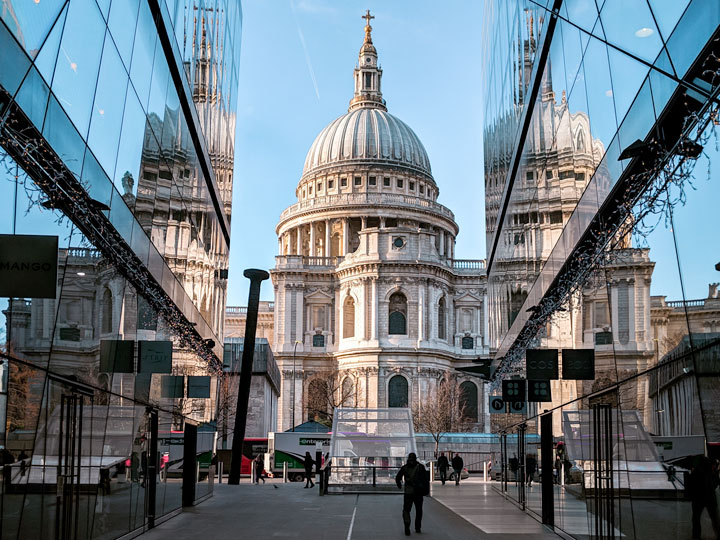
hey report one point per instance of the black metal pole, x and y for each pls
(255, 277)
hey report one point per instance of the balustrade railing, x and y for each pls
(686, 303)
(468, 264)
(361, 199)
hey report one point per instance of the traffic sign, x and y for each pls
(539, 391)
(513, 390)
(497, 405)
(541, 364)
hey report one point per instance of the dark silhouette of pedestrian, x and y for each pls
(701, 487)
(457, 465)
(443, 465)
(530, 466)
(23, 465)
(309, 462)
(557, 466)
(414, 475)
(514, 466)
(258, 465)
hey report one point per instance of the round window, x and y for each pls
(398, 242)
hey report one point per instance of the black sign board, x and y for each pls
(497, 405)
(513, 390)
(541, 364)
(173, 386)
(154, 356)
(198, 386)
(28, 266)
(517, 407)
(603, 338)
(578, 364)
(539, 391)
(117, 356)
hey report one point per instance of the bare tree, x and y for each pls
(327, 391)
(227, 403)
(443, 411)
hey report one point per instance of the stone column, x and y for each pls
(327, 238)
(364, 223)
(442, 243)
(298, 247)
(374, 324)
(382, 222)
(312, 252)
(420, 310)
(300, 311)
(346, 234)
(280, 245)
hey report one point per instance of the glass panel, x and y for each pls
(14, 61)
(143, 51)
(78, 62)
(632, 30)
(122, 25)
(107, 112)
(31, 21)
(46, 60)
(33, 98)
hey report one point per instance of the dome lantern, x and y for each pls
(367, 74)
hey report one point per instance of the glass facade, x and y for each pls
(117, 123)
(599, 117)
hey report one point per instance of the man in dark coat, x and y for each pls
(443, 465)
(414, 475)
(530, 466)
(308, 463)
(457, 465)
(701, 488)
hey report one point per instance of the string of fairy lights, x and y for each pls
(53, 186)
(661, 184)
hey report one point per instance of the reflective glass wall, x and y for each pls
(624, 118)
(117, 123)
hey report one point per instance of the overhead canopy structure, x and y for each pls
(368, 446)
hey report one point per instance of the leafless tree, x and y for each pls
(227, 403)
(443, 411)
(328, 390)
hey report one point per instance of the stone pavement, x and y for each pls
(276, 510)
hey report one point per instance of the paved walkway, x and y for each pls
(276, 510)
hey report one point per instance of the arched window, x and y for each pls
(441, 319)
(580, 141)
(397, 317)
(398, 392)
(348, 393)
(106, 310)
(349, 317)
(317, 403)
(469, 400)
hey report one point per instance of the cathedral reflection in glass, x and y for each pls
(117, 124)
(590, 106)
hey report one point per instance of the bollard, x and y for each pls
(285, 473)
(432, 471)
(220, 471)
(562, 475)
(374, 476)
(485, 471)
(321, 480)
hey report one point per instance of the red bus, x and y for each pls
(252, 446)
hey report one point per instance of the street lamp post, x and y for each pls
(293, 383)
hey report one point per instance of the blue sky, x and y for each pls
(296, 77)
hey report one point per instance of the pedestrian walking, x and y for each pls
(701, 487)
(309, 462)
(457, 465)
(259, 466)
(530, 467)
(443, 465)
(416, 487)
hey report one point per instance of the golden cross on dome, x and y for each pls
(367, 17)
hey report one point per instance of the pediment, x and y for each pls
(318, 295)
(468, 298)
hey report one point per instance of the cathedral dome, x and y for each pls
(367, 135)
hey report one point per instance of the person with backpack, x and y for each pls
(457, 465)
(417, 485)
(443, 465)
